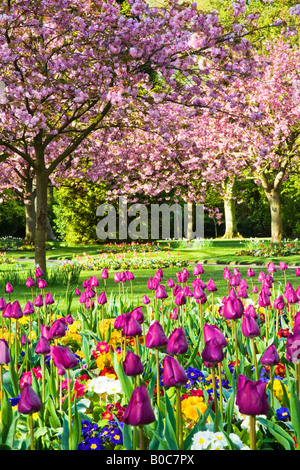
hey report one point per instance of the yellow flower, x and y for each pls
(278, 389)
(190, 405)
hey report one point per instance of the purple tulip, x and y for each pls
(261, 276)
(28, 309)
(291, 296)
(234, 281)
(139, 410)
(271, 268)
(233, 309)
(49, 299)
(94, 281)
(83, 298)
(104, 274)
(120, 321)
(30, 282)
(63, 357)
(242, 293)
(9, 288)
(170, 283)
(2, 304)
(263, 299)
(250, 328)
(211, 286)
(296, 322)
(16, 310)
(212, 331)
(77, 292)
(29, 401)
(90, 293)
(129, 276)
(174, 374)
(270, 357)
(293, 347)
(177, 288)
(24, 340)
(212, 352)
(161, 292)
(156, 337)
(58, 328)
(146, 300)
(39, 272)
(250, 310)
(69, 319)
(89, 303)
(180, 298)
(138, 314)
(297, 271)
(177, 342)
(251, 397)
(131, 327)
(283, 266)
(42, 284)
(254, 290)
(38, 301)
(187, 291)
(279, 303)
(4, 352)
(226, 274)
(250, 272)
(132, 364)
(43, 346)
(7, 310)
(86, 283)
(102, 298)
(45, 332)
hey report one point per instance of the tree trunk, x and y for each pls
(229, 211)
(29, 212)
(276, 218)
(41, 218)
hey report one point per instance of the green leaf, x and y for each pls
(280, 434)
(54, 419)
(76, 429)
(6, 416)
(126, 383)
(127, 437)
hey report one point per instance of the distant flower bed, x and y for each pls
(272, 249)
(138, 247)
(96, 264)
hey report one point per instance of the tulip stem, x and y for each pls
(31, 432)
(220, 388)
(271, 382)
(141, 438)
(252, 433)
(179, 419)
(70, 408)
(157, 379)
(213, 376)
(236, 349)
(254, 358)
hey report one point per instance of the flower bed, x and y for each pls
(177, 369)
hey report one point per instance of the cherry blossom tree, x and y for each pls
(73, 68)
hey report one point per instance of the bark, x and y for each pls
(276, 217)
(231, 230)
(41, 219)
(29, 211)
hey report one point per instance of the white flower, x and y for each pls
(202, 440)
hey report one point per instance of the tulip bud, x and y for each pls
(58, 328)
(132, 327)
(102, 298)
(145, 300)
(161, 292)
(43, 346)
(212, 352)
(139, 410)
(233, 309)
(104, 274)
(28, 309)
(174, 374)
(4, 352)
(156, 337)
(63, 357)
(49, 299)
(270, 357)
(212, 331)
(251, 397)
(9, 288)
(177, 342)
(42, 284)
(38, 301)
(30, 282)
(211, 286)
(29, 401)
(94, 281)
(250, 328)
(39, 272)
(132, 364)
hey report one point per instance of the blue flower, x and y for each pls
(14, 401)
(282, 414)
(94, 443)
(88, 428)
